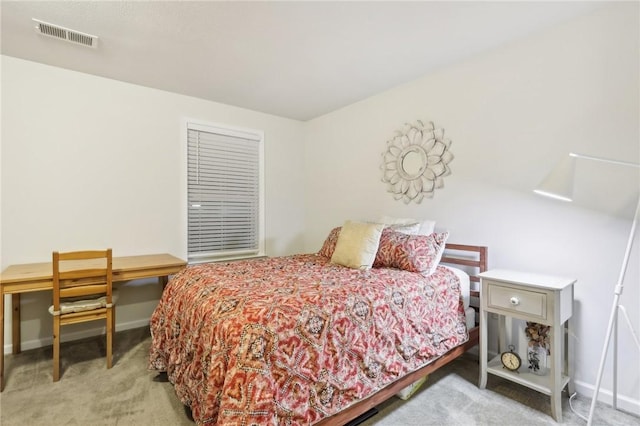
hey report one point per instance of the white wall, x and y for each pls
(92, 162)
(511, 113)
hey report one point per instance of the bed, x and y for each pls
(301, 340)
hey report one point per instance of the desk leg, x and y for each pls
(163, 281)
(1, 341)
(15, 322)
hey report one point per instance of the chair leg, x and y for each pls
(109, 337)
(56, 348)
(113, 330)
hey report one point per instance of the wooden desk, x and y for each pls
(17, 279)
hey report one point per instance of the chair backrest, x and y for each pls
(81, 274)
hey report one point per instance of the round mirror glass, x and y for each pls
(412, 164)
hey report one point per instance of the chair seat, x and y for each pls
(75, 305)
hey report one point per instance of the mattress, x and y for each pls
(465, 290)
(465, 284)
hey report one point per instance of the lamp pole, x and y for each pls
(604, 160)
(613, 324)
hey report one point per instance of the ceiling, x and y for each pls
(292, 59)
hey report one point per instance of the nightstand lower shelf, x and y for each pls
(524, 377)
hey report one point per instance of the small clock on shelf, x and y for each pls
(511, 360)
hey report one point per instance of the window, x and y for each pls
(224, 192)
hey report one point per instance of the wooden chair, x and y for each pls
(82, 291)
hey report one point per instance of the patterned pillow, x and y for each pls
(414, 253)
(329, 245)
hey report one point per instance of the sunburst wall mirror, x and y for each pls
(416, 161)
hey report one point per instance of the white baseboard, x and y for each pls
(67, 337)
(605, 396)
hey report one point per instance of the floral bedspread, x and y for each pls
(292, 340)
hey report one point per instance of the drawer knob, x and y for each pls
(514, 301)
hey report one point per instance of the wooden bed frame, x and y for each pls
(465, 257)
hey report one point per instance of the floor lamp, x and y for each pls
(559, 185)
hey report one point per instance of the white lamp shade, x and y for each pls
(559, 183)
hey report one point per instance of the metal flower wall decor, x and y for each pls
(416, 161)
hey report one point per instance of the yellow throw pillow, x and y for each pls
(357, 244)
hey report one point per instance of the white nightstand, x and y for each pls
(539, 298)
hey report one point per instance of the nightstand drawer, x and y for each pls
(511, 299)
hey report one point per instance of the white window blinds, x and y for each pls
(223, 193)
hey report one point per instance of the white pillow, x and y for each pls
(357, 244)
(426, 226)
(409, 228)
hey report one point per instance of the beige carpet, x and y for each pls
(128, 394)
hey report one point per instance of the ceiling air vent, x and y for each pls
(62, 33)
